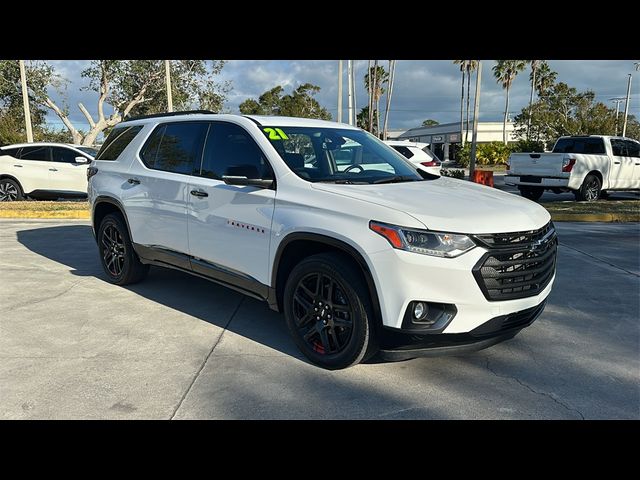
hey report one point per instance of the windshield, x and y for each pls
(336, 155)
(91, 151)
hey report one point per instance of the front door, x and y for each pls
(32, 169)
(230, 225)
(65, 174)
(155, 194)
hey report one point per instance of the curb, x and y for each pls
(595, 217)
(43, 215)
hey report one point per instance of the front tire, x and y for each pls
(532, 193)
(119, 261)
(328, 311)
(10, 191)
(590, 189)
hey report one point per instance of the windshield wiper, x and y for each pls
(396, 179)
(344, 181)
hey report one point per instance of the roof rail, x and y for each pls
(169, 114)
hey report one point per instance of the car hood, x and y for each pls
(451, 205)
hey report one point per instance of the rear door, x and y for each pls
(32, 168)
(65, 175)
(633, 151)
(156, 193)
(622, 168)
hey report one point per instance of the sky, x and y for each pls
(422, 89)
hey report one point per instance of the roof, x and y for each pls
(264, 120)
(44, 144)
(406, 143)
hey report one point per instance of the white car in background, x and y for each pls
(417, 153)
(44, 170)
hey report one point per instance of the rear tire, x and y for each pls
(328, 311)
(590, 189)
(10, 191)
(119, 261)
(532, 193)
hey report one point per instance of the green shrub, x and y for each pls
(528, 146)
(452, 173)
(494, 153)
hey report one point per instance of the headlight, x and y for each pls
(437, 244)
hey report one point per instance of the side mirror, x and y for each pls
(254, 182)
(82, 160)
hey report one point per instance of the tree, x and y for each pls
(565, 111)
(40, 76)
(467, 67)
(300, 103)
(138, 87)
(374, 81)
(430, 122)
(505, 72)
(362, 120)
(545, 78)
(532, 77)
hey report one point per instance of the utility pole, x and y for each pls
(392, 69)
(25, 102)
(626, 107)
(167, 76)
(339, 91)
(476, 114)
(617, 101)
(353, 93)
(369, 91)
(350, 91)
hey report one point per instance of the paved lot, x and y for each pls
(175, 346)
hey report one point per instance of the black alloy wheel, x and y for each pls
(119, 260)
(10, 191)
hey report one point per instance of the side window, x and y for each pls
(594, 146)
(230, 150)
(64, 155)
(175, 147)
(403, 150)
(36, 153)
(633, 148)
(117, 141)
(618, 148)
(13, 152)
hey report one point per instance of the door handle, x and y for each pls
(617, 163)
(18, 166)
(637, 163)
(133, 181)
(199, 193)
(53, 169)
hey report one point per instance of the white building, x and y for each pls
(442, 137)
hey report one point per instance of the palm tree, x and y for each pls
(534, 67)
(545, 78)
(463, 69)
(505, 72)
(374, 82)
(471, 67)
(392, 70)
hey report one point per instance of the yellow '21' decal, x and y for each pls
(276, 134)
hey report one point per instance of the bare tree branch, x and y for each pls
(87, 115)
(77, 136)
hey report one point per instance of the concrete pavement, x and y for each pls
(175, 346)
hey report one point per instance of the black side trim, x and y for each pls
(163, 257)
(105, 199)
(333, 242)
(56, 194)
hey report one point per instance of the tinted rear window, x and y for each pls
(117, 141)
(174, 147)
(10, 151)
(580, 145)
(403, 150)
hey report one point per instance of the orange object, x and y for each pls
(484, 177)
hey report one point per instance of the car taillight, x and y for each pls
(429, 164)
(567, 164)
(91, 171)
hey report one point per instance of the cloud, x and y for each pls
(423, 88)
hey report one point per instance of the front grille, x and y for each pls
(518, 265)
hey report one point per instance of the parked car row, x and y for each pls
(44, 170)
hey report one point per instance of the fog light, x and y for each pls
(420, 310)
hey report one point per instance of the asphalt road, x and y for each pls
(175, 346)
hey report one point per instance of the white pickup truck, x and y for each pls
(587, 165)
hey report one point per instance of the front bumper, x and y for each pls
(396, 344)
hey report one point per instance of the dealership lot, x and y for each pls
(175, 346)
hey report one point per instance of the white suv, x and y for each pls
(44, 170)
(361, 259)
(418, 153)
